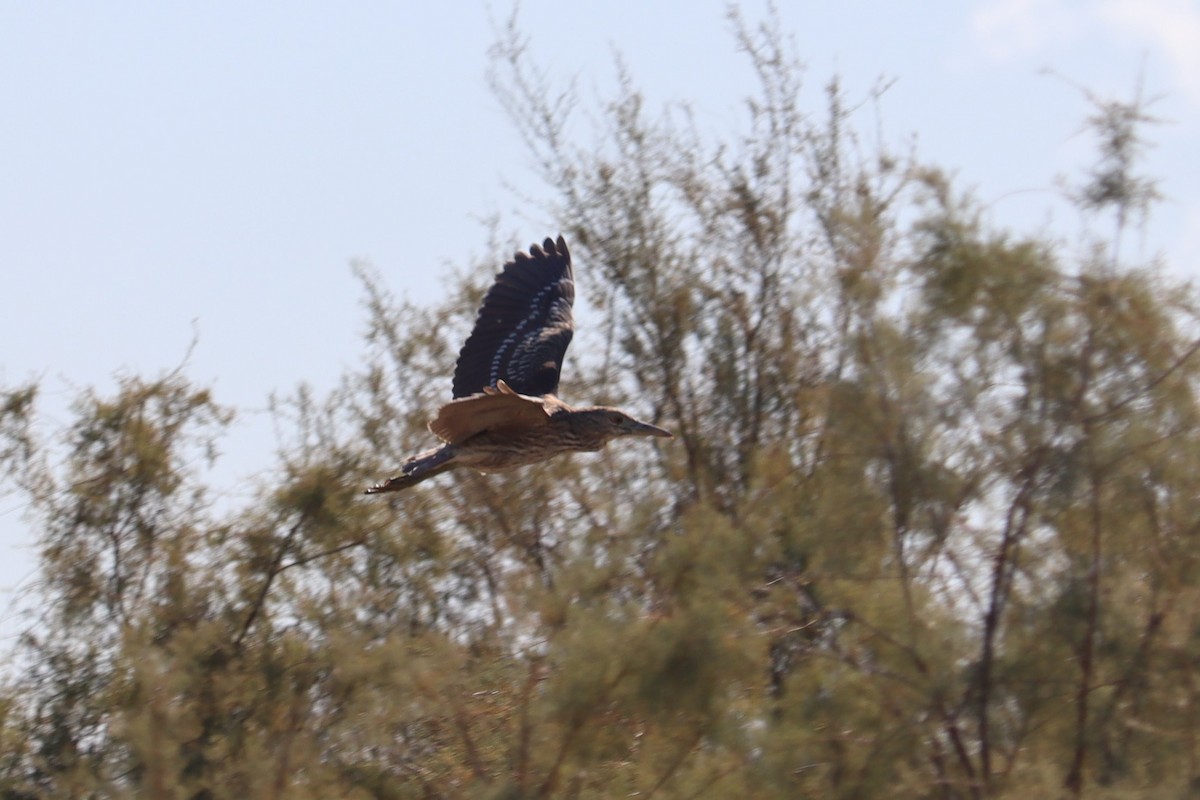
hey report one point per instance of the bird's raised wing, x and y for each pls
(499, 409)
(523, 327)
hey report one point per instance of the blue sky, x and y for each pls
(171, 171)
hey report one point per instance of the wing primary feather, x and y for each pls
(523, 327)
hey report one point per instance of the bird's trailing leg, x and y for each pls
(418, 468)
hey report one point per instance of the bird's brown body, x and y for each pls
(519, 340)
(566, 431)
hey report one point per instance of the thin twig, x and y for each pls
(275, 568)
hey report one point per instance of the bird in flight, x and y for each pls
(505, 410)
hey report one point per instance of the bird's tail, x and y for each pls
(418, 468)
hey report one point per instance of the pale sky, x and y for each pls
(171, 171)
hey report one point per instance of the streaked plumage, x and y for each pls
(505, 412)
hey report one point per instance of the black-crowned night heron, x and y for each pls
(505, 412)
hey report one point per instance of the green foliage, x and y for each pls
(927, 529)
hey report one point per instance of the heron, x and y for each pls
(505, 412)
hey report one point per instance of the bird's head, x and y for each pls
(612, 422)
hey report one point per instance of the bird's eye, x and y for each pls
(617, 419)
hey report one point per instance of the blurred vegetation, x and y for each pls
(928, 528)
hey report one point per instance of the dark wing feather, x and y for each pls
(523, 327)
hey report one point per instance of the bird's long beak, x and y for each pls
(646, 429)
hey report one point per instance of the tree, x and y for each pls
(927, 529)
